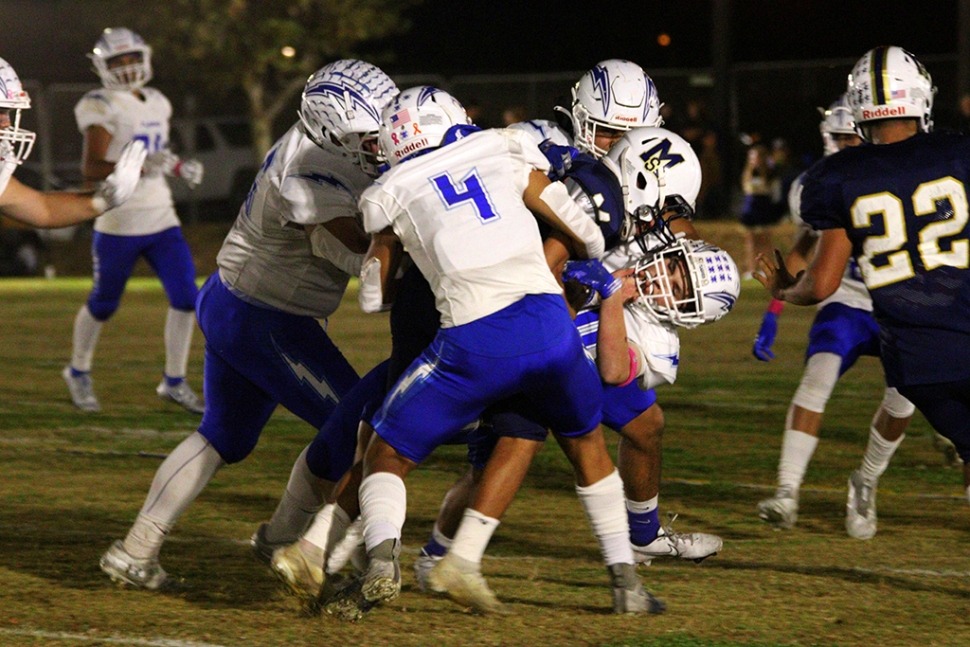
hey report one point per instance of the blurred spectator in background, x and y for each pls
(513, 115)
(963, 116)
(699, 131)
(783, 167)
(759, 213)
(477, 113)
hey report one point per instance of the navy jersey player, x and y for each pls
(283, 267)
(146, 226)
(843, 330)
(53, 209)
(899, 207)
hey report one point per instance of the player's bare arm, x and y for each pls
(94, 166)
(613, 350)
(818, 281)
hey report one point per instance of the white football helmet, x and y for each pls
(417, 119)
(543, 130)
(890, 83)
(15, 142)
(615, 94)
(836, 120)
(119, 41)
(660, 175)
(341, 109)
(688, 283)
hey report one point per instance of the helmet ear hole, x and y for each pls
(641, 181)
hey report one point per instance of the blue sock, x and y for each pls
(173, 381)
(434, 548)
(644, 526)
(77, 373)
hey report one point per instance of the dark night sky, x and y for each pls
(454, 37)
(516, 36)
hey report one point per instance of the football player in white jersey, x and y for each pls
(283, 267)
(844, 329)
(459, 201)
(638, 161)
(55, 209)
(146, 226)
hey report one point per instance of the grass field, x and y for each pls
(73, 482)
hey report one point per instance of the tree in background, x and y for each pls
(265, 48)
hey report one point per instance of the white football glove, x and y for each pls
(160, 163)
(119, 186)
(189, 170)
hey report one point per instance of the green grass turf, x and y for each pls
(73, 482)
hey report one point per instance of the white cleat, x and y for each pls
(181, 394)
(781, 511)
(298, 571)
(860, 507)
(422, 567)
(350, 549)
(629, 596)
(696, 546)
(946, 447)
(464, 583)
(127, 570)
(82, 390)
(381, 582)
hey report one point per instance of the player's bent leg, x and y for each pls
(885, 435)
(800, 439)
(179, 480)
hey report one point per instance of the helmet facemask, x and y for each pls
(122, 60)
(15, 142)
(665, 288)
(687, 284)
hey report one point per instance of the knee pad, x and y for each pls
(896, 405)
(818, 380)
(102, 309)
(184, 298)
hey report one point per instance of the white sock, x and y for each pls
(473, 535)
(643, 507)
(605, 508)
(319, 530)
(179, 326)
(968, 494)
(383, 506)
(439, 537)
(797, 448)
(179, 479)
(87, 329)
(304, 495)
(878, 453)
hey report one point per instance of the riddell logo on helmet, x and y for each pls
(623, 118)
(411, 147)
(883, 112)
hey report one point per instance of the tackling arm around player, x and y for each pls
(55, 209)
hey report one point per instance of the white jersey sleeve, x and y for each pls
(315, 196)
(96, 109)
(660, 346)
